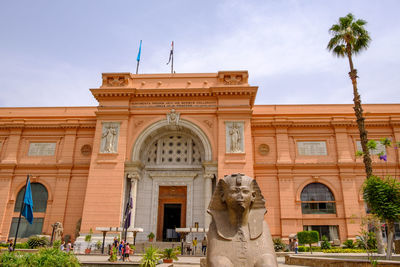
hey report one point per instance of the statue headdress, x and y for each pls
(219, 211)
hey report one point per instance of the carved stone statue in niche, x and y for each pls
(238, 236)
(110, 136)
(173, 117)
(58, 231)
(235, 135)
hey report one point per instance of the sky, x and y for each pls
(52, 52)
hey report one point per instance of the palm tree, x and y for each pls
(350, 37)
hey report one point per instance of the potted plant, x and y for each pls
(150, 257)
(88, 238)
(151, 236)
(169, 255)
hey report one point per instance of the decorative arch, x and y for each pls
(152, 129)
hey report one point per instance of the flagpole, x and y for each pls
(172, 63)
(20, 213)
(126, 208)
(138, 57)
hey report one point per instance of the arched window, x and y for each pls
(316, 198)
(39, 197)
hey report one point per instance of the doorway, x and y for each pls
(172, 220)
(171, 212)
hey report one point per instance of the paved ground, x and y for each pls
(188, 261)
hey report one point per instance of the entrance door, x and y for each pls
(171, 211)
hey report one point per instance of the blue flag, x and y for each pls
(27, 211)
(140, 51)
(128, 209)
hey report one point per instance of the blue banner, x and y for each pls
(27, 211)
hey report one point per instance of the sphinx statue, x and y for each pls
(238, 235)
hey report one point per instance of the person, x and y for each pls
(121, 250)
(296, 246)
(10, 245)
(194, 243)
(127, 252)
(68, 247)
(204, 246)
(62, 247)
(115, 242)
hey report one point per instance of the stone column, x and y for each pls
(134, 179)
(210, 171)
(207, 197)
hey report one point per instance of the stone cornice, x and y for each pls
(47, 125)
(292, 122)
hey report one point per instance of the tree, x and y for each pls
(308, 237)
(350, 37)
(383, 198)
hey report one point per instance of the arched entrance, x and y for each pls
(170, 174)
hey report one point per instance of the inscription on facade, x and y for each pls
(378, 150)
(42, 149)
(312, 148)
(173, 104)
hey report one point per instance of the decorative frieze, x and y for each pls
(109, 137)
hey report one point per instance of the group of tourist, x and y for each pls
(67, 248)
(123, 249)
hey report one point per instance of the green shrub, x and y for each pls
(37, 241)
(278, 244)
(43, 258)
(170, 253)
(150, 257)
(308, 237)
(307, 249)
(349, 244)
(113, 255)
(344, 250)
(361, 243)
(325, 243)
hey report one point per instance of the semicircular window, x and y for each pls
(39, 197)
(317, 198)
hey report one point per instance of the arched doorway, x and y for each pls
(172, 178)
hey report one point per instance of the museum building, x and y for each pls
(163, 140)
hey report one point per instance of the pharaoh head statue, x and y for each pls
(241, 194)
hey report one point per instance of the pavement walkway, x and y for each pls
(185, 261)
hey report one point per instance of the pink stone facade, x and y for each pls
(85, 182)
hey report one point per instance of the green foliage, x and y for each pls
(349, 244)
(88, 237)
(113, 255)
(57, 244)
(344, 250)
(45, 257)
(170, 253)
(371, 144)
(307, 249)
(99, 244)
(367, 241)
(150, 257)
(308, 237)
(386, 142)
(151, 235)
(350, 34)
(278, 244)
(37, 241)
(325, 243)
(359, 153)
(24, 245)
(383, 197)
